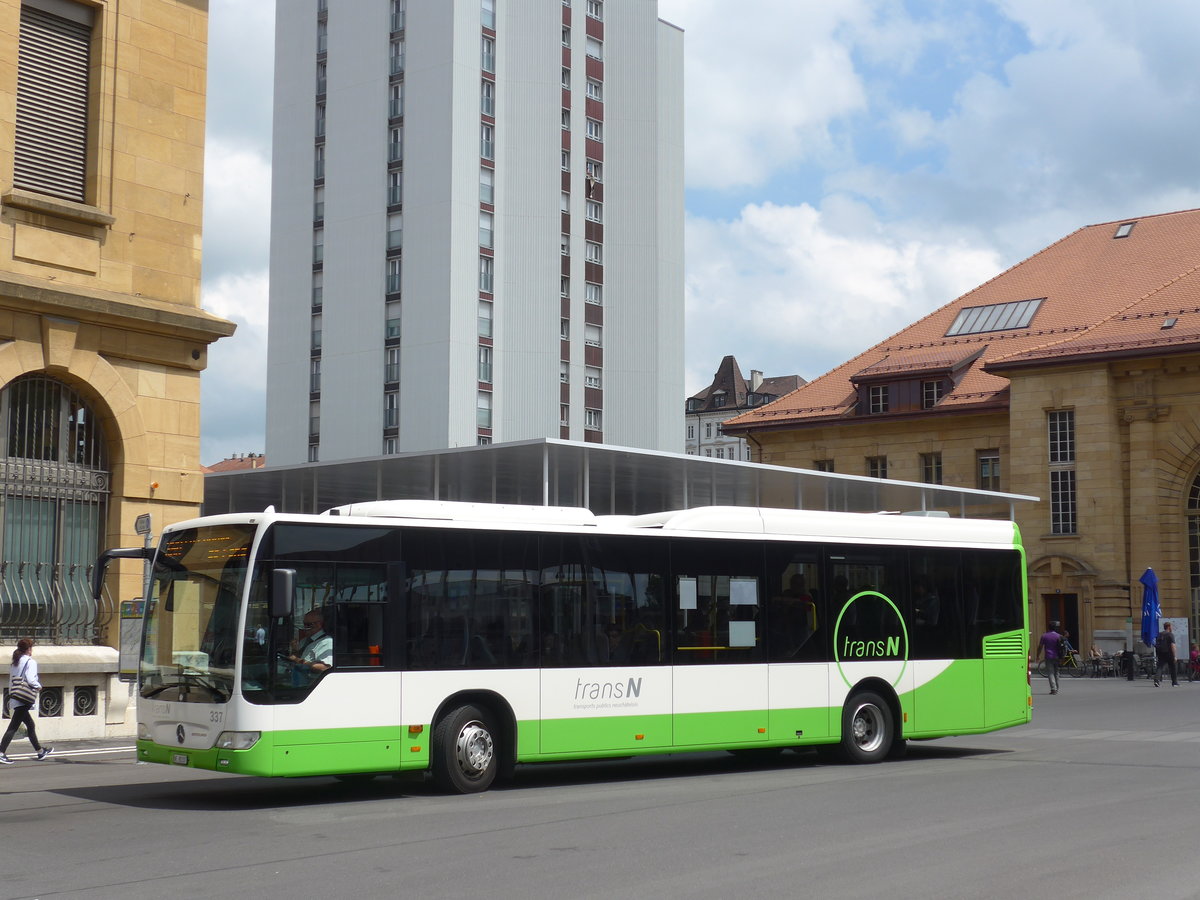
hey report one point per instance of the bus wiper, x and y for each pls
(184, 686)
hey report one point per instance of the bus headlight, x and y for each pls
(238, 740)
(143, 731)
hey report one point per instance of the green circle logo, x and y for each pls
(870, 629)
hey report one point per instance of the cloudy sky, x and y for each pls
(851, 165)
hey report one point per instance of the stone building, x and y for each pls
(102, 338)
(727, 395)
(1073, 376)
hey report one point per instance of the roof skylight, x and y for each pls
(997, 317)
(1123, 230)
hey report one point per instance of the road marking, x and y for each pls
(82, 751)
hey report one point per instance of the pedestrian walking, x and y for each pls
(1050, 645)
(1164, 649)
(23, 687)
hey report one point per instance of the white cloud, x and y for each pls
(233, 387)
(798, 290)
(763, 83)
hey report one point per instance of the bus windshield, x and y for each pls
(190, 635)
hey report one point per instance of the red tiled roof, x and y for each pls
(237, 463)
(1103, 295)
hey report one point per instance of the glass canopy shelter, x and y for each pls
(607, 480)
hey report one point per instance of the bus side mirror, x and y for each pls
(120, 553)
(283, 592)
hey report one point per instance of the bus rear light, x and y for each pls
(238, 740)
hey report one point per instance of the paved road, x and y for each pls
(1095, 799)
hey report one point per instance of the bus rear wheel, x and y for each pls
(868, 731)
(464, 755)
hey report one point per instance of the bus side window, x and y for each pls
(718, 589)
(936, 600)
(358, 635)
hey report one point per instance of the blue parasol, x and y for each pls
(1151, 610)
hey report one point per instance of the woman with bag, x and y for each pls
(23, 687)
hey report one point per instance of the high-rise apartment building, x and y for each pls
(477, 226)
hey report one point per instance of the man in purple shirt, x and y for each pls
(1050, 643)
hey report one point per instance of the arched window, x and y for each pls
(1193, 531)
(54, 487)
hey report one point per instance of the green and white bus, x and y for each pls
(468, 638)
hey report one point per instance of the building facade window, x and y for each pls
(315, 333)
(396, 57)
(396, 144)
(823, 465)
(314, 376)
(318, 245)
(487, 54)
(487, 97)
(877, 466)
(486, 224)
(593, 293)
(393, 276)
(564, 286)
(318, 203)
(396, 100)
(593, 335)
(487, 14)
(595, 170)
(594, 252)
(485, 319)
(931, 393)
(595, 129)
(595, 89)
(483, 409)
(564, 414)
(594, 48)
(878, 398)
(595, 9)
(1061, 439)
(314, 454)
(391, 409)
(987, 467)
(395, 234)
(318, 289)
(931, 468)
(391, 329)
(593, 211)
(395, 188)
(591, 377)
(708, 430)
(397, 17)
(593, 420)
(391, 365)
(487, 185)
(486, 266)
(314, 418)
(485, 364)
(487, 141)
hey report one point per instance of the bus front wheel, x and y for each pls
(868, 731)
(464, 757)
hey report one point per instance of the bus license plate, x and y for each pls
(179, 759)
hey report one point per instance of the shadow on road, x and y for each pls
(236, 793)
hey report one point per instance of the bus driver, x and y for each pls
(313, 653)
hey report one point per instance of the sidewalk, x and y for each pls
(20, 750)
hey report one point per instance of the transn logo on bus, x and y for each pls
(608, 690)
(870, 634)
